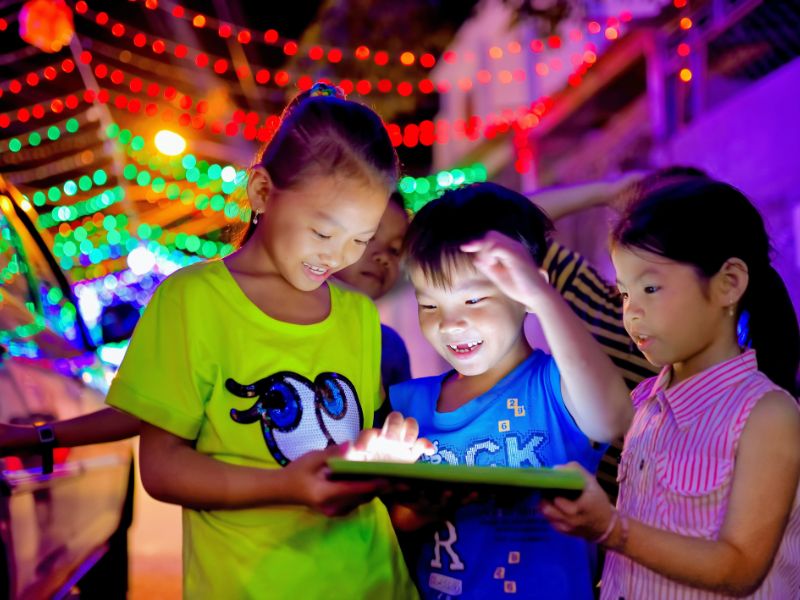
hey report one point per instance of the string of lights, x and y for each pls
(407, 57)
(364, 87)
(684, 49)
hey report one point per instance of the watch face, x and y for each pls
(46, 435)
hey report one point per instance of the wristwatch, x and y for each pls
(47, 441)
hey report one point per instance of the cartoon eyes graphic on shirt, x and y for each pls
(335, 396)
(298, 415)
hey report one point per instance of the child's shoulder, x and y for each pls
(420, 383)
(353, 300)
(538, 363)
(391, 336)
(350, 295)
(401, 394)
(194, 276)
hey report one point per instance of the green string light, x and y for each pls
(419, 191)
(51, 133)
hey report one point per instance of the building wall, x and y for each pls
(753, 142)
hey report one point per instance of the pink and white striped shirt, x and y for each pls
(676, 474)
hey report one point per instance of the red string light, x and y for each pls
(684, 49)
(334, 55)
(226, 30)
(33, 78)
(425, 133)
(247, 124)
(220, 66)
(380, 58)
(427, 60)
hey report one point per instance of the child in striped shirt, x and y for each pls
(708, 502)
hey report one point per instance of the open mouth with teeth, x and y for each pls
(641, 340)
(316, 272)
(465, 348)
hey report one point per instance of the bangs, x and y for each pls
(439, 268)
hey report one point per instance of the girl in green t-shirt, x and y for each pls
(249, 373)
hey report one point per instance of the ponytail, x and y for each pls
(771, 326)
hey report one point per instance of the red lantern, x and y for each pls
(46, 24)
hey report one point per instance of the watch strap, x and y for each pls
(47, 441)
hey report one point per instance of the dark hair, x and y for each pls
(397, 199)
(665, 176)
(434, 238)
(321, 133)
(703, 223)
(679, 171)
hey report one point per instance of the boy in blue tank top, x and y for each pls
(473, 256)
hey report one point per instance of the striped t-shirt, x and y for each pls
(599, 305)
(677, 472)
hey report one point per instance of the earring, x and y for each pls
(731, 311)
(255, 216)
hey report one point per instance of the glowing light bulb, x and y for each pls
(141, 261)
(170, 143)
(228, 173)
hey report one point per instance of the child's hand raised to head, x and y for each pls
(397, 441)
(589, 517)
(509, 265)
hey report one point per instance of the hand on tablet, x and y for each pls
(588, 516)
(308, 483)
(397, 441)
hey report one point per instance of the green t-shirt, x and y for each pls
(206, 364)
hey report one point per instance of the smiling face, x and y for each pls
(670, 312)
(471, 324)
(377, 270)
(319, 227)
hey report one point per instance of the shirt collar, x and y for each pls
(693, 396)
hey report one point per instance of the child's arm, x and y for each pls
(565, 200)
(173, 471)
(106, 425)
(594, 391)
(765, 480)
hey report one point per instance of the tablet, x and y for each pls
(550, 482)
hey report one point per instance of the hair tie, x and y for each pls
(325, 89)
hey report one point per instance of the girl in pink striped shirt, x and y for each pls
(708, 504)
